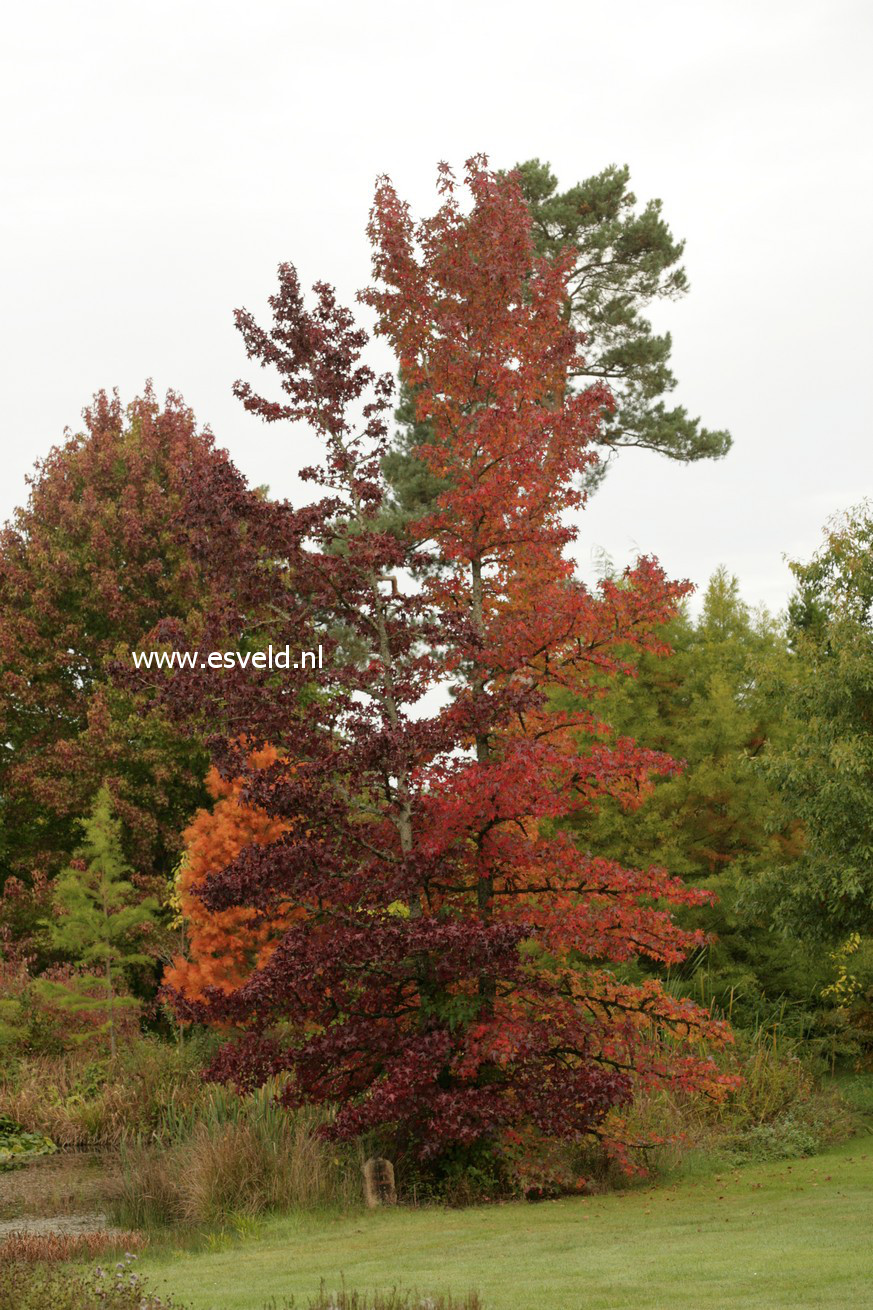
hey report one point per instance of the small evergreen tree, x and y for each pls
(98, 922)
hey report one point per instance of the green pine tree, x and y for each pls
(627, 257)
(98, 921)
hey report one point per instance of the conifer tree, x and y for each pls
(223, 947)
(99, 920)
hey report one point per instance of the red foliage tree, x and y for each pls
(99, 555)
(461, 972)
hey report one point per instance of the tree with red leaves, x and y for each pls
(463, 971)
(101, 552)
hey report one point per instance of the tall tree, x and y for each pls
(825, 773)
(461, 972)
(719, 822)
(703, 705)
(98, 556)
(625, 257)
(99, 918)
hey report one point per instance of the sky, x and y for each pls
(158, 161)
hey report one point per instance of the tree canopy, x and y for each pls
(625, 257)
(98, 556)
(825, 774)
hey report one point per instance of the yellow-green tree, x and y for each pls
(719, 821)
(99, 919)
(825, 773)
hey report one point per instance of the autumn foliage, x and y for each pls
(464, 972)
(98, 556)
(223, 947)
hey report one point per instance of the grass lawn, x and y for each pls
(785, 1235)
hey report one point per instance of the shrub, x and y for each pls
(462, 1175)
(787, 1138)
(780, 1110)
(28, 1021)
(28, 1286)
(774, 1082)
(36, 1021)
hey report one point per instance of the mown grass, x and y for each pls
(785, 1234)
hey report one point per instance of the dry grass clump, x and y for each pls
(51, 1247)
(236, 1156)
(85, 1104)
(395, 1299)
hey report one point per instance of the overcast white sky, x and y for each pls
(159, 160)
